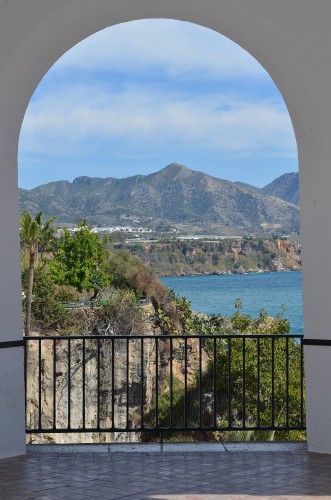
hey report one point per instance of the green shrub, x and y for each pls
(46, 311)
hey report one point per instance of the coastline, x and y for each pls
(226, 273)
(226, 257)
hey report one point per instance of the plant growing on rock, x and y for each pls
(121, 315)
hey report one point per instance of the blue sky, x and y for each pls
(135, 97)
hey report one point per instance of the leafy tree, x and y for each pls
(81, 261)
(34, 232)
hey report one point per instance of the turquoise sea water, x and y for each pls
(217, 294)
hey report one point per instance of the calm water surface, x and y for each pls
(217, 294)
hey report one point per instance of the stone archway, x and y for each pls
(290, 39)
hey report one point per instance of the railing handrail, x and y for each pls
(168, 336)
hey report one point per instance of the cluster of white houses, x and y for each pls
(112, 229)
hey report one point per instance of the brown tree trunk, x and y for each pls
(32, 256)
(96, 294)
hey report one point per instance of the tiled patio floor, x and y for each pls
(170, 475)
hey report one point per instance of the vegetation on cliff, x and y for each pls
(177, 257)
(244, 372)
(80, 262)
(131, 300)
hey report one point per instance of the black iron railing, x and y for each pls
(164, 383)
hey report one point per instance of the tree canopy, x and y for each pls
(81, 260)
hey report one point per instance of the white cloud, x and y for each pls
(79, 119)
(178, 49)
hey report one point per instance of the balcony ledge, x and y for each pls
(150, 448)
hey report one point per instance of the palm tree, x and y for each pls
(35, 236)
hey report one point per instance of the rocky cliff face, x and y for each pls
(219, 257)
(122, 392)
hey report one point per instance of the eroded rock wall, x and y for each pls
(123, 394)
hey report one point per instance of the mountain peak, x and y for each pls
(285, 187)
(83, 179)
(176, 166)
(174, 171)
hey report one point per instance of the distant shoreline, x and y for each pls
(226, 273)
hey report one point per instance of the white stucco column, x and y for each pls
(316, 234)
(12, 419)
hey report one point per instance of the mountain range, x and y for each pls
(285, 187)
(174, 196)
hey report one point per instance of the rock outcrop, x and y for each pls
(122, 392)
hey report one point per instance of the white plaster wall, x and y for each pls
(12, 419)
(290, 38)
(12, 426)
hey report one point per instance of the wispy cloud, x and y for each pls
(80, 118)
(177, 49)
(155, 91)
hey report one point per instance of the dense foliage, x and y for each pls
(81, 261)
(47, 312)
(246, 375)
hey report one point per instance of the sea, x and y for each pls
(216, 294)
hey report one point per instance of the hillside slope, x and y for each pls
(172, 196)
(285, 187)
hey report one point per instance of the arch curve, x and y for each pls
(63, 25)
